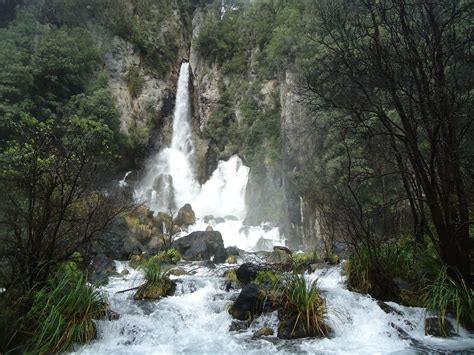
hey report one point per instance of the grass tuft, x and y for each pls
(64, 311)
(448, 293)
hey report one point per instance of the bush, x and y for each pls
(157, 283)
(303, 308)
(169, 256)
(135, 81)
(64, 312)
(449, 294)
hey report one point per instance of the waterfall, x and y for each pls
(170, 182)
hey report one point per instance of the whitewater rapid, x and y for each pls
(196, 320)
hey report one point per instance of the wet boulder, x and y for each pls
(156, 290)
(232, 251)
(186, 216)
(293, 328)
(248, 304)
(202, 245)
(263, 331)
(247, 272)
(435, 327)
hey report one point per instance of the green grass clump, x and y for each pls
(169, 256)
(448, 293)
(304, 304)
(301, 261)
(268, 278)
(157, 283)
(64, 312)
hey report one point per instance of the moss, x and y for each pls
(230, 275)
(155, 290)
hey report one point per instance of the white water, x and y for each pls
(195, 320)
(170, 182)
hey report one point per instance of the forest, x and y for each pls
(354, 118)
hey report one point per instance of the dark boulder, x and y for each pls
(202, 246)
(248, 304)
(238, 325)
(247, 272)
(294, 328)
(436, 328)
(100, 268)
(232, 251)
(388, 309)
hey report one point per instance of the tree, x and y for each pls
(51, 202)
(405, 66)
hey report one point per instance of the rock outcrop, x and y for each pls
(202, 246)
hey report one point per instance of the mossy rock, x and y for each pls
(155, 291)
(231, 259)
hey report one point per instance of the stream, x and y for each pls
(196, 318)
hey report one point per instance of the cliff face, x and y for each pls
(272, 191)
(145, 98)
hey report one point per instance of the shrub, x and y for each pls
(134, 80)
(157, 283)
(169, 256)
(448, 293)
(64, 312)
(304, 308)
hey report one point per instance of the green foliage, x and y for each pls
(448, 294)
(169, 256)
(157, 283)
(301, 260)
(64, 312)
(134, 80)
(302, 301)
(268, 279)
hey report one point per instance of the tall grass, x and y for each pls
(303, 302)
(64, 311)
(448, 293)
(157, 283)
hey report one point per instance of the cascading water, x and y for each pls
(170, 182)
(196, 320)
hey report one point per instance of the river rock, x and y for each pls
(202, 246)
(219, 220)
(247, 272)
(232, 251)
(177, 271)
(238, 325)
(264, 331)
(293, 328)
(434, 327)
(248, 304)
(231, 259)
(149, 291)
(208, 218)
(185, 216)
(209, 228)
(164, 222)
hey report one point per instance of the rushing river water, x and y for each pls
(196, 320)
